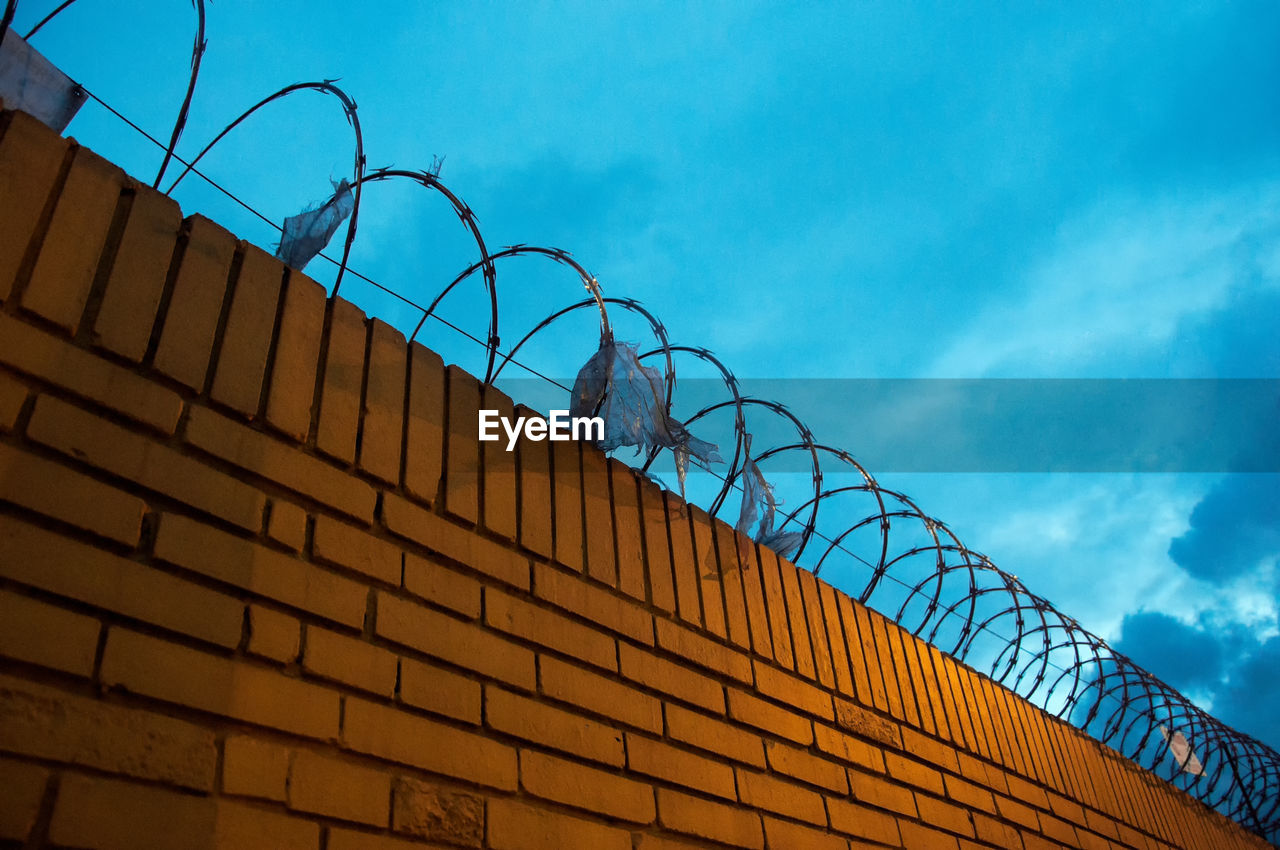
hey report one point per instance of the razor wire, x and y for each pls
(889, 553)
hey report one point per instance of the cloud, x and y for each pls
(1233, 529)
(1186, 657)
(1249, 699)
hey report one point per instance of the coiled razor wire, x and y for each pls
(916, 569)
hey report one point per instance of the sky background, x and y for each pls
(871, 190)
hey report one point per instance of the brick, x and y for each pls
(407, 520)
(683, 565)
(896, 681)
(817, 628)
(340, 393)
(337, 788)
(39, 633)
(614, 700)
(697, 649)
(293, 372)
(287, 524)
(1061, 831)
(31, 157)
(245, 827)
(255, 768)
(533, 464)
(138, 273)
(657, 547)
(913, 773)
(1064, 808)
(246, 342)
(13, 395)
(781, 833)
(570, 592)
(517, 617)
(931, 688)
(57, 564)
(350, 661)
(649, 841)
(463, 644)
(1021, 789)
(273, 635)
(877, 791)
(799, 626)
(663, 761)
(349, 839)
(730, 546)
(770, 718)
(805, 766)
(499, 502)
(767, 792)
(512, 825)
(552, 727)
(343, 545)
(969, 795)
(43, 356)
(24, 786)
(439, 690)
(786, 688)
(68, 255)
(1011, 810)
(441, 585)
(259, 570)
(929, 750)
(868, 724)
(862, 686)
(602, 562)
(430, 811)
(715, 736)
(861, 822)
(382, 430)
(462, 449)
(393, 735)
(424, 441)
(994, 832)
(107, 814)
(670, 679)
(753, 596)
(119, 451)
(918, 837)
(195, 306)
(626, 526)
(53, 490)
(268, 458)
(708, 567)
(569, 542)
(176, 674)
(776, 607)
(847, 748)
(705, 819)
(944, 815)
(585, 787)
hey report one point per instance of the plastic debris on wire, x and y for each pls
(628, 396)
(307, 233)
(31, 83)
(1183, 754)
(759, 503)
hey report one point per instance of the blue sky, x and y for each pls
(872, 190)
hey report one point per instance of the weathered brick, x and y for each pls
(583, 787)
(24, 786)
(552, 727)
(670, 678)
(570, 541)
(261, 455)
(107, 814)
(862, 822)
(13, 395)
(439, 690)
(68, 255)
(683, 565)
(195, 305)
(430, 811)
(241, 826)
(944, 815)
(255, 768)
(766, 792)
(442, 585)
(753, 595)
(462, 449)
(569, 591)
(43, 559)
(44, 634)
(337, 788)
(340, 391)
(708, 568)
(343, 545)
(293, 371)
(424, 441)
(780, 833)
(847, 748)
(111, 448)
(628, 540)
(657, 547)
(874, 790)
(31, 157)
(533, 464)
(770, 718)
(531, 622)
(789, 689)
(463, 644)
(805, 766)
(512, 825)
(499, 470)
(394, 735)
(716, 736)
(614, 700)
(43, 356)
(138, 274)
(287, 524)
(663, 761)
(701, 818)
(273, 635)
(699, 650)
(382, 430)
(350, 661)
(176, 674)
(259, 570)
(439, 535)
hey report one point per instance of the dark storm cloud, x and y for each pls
(1232, 528)
(1184, 656)
(1250, 701)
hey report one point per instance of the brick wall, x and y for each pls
(260, 587)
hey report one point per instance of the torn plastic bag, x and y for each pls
(31, 83)
(759, 503)
(1182, 752)
(307, 233)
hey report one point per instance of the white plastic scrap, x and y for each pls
(307, 233)
(1180, 747)
(758, 502)
(31, 83)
